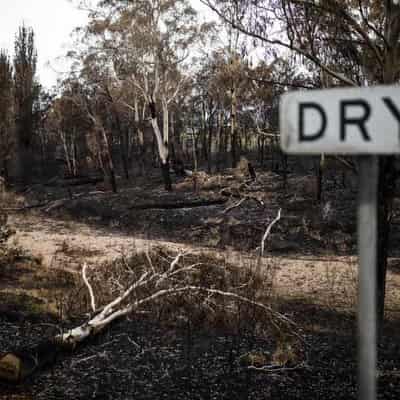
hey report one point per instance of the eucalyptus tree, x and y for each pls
(255, 89)
(98, 74)
(148, 42)
(361, 42)
(204, 106)
(6, 111)
(68, 125)
(221, 95)
(231, 75)
(265, 95)
(95, 107)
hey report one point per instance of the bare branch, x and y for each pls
(338, 10)
(149, 260)
(178, 88)
(267, 232)
(231, 207)
(174, 284)
(89, 287)
(175, 262)
(344, 79)
(273, 368)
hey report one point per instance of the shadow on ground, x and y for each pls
(141, 359)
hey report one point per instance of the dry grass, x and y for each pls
(74, 251)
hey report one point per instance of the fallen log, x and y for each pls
(27, 207)
(179, 204)
(87, 180)
(17, 365)
(83, 181)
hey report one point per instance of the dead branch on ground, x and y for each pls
(179, 204)
(231, 207)
(268, 230)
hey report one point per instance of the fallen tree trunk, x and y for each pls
(27, 207)
(83, 181)
(17, 365)
(179, 204)
(86, 180)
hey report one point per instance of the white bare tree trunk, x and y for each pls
(63, 138)
(162, 146)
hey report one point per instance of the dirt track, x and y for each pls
(68, 243)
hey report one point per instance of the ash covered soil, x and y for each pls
(224, 211)
(139, 359)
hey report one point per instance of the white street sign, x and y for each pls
(358, 121)
(345, 121)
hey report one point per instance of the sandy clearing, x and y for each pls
(59, 242)
(331, 281)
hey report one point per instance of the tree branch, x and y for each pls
(281, 43)
(268, 230)
(89, 287)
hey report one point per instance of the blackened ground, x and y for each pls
(138, 359)
(306, 227)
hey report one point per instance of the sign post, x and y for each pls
(367, 247)
(363, 122)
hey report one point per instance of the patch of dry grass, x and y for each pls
(75, 251)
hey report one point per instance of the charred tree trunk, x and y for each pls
(20, 364)
(204, 148)
(144, 140)
(320, 177)
(123, 145)
(252, 171)
(387, 176)
(111, 173)
(5, 172)
(166, 175)
(234, 144)
(109, 166)
(209, 145)
(142, 152)
(113, 180)
(178, 164)
(23, 163)
(261, 147)
(285, 168)
(220, 141)
(387, 181)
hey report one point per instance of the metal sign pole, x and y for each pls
(367, 287)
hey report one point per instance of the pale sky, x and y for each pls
(52, 22)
